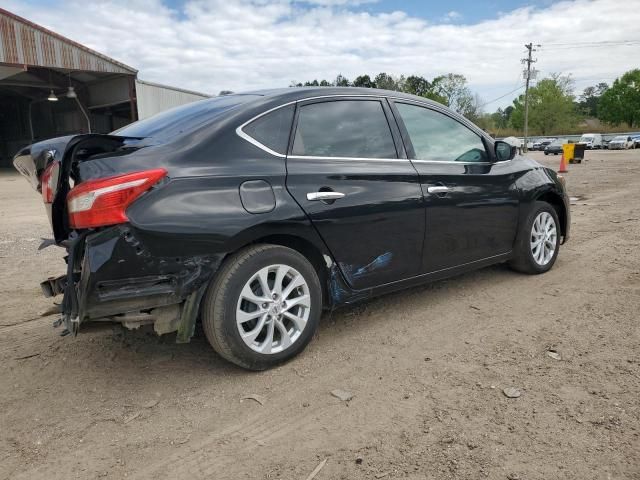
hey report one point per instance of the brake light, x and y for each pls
(101, 202)
(49, 181)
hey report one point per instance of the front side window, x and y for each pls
(344, 128)
(437, 137)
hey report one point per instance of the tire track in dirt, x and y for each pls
(28, 338)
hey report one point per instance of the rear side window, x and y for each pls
(272, 129)
(183, 119)
(344, 128)
(438, 137)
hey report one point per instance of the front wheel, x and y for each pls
(263, 306)
(538, 241)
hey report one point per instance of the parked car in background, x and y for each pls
(591, 140)
(555, 147)
(542, 143)
(254, 212)
(636, 141)
(515, 142)
(621, 142)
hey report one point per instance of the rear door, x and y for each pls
(471, 201)
(349, 173)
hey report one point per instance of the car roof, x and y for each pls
(301, 93)
(244, 106)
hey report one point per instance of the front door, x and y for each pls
(471, 203)
(345, 169)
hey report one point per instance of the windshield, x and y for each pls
(586, 138)
(184, 118)
(558, 142)
(619, 138)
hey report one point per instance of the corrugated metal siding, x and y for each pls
(153, 98)
(25, 43)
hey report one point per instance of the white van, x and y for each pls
(591, 140)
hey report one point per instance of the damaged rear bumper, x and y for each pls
(117, 274)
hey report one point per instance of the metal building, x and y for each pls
(52, 86)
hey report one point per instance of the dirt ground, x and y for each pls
(426, 367)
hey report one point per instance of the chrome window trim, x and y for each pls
(343, 159)
(241, 133)
(453, 162)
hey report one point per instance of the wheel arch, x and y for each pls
(556, 201)
(321, 260)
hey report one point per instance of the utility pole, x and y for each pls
(528, 75)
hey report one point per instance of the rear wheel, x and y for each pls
(263, 306)
(538, 241)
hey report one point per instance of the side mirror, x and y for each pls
(504, 151)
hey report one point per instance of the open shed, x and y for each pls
(52, 86)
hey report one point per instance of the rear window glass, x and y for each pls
(272, 130)
(183, 119)
(345, 128)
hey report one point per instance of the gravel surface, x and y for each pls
(426, 371)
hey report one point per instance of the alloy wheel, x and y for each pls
(544, 238)
(273, 309)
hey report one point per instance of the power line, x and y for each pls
(502, 96)
(602, 42)
(572, 46)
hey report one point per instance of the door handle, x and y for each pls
(314, 196)
(438, 189)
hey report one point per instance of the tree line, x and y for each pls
(553, 105)
(450, 89)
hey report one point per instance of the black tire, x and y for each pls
(523, 260)
(221, 301)
(546, 153)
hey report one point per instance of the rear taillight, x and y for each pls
(96, 203)
(49, 181)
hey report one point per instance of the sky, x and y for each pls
(214, 45)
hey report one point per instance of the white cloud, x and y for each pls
(452, 15)
(213, 45)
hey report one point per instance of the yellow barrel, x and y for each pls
(568, 150)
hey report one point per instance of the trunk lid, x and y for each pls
(32, 161)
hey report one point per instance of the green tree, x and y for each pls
(621, 102)
(341, 81)
(500, 118)
(385, 82)
(551, 106)
(588, 104)
(364, 81)
(417, 85)
(451, 89)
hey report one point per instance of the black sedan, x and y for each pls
(254, 212)
(555, 147)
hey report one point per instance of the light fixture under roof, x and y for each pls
(71, 92)
(52, 97)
